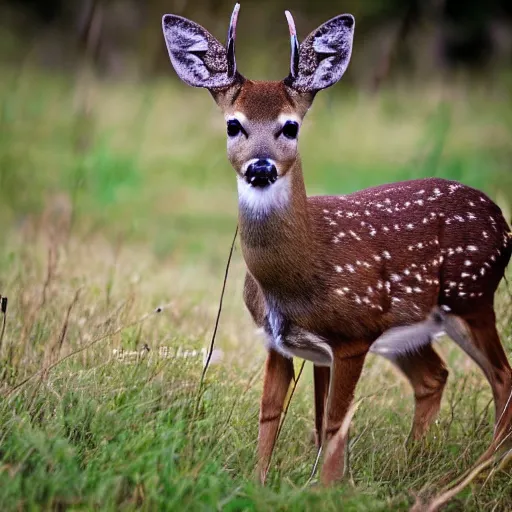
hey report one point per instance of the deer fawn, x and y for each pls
(328, 275)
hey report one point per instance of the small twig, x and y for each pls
(505, 409)
(50, 270)
(503, 463)
(504, 440)
(212, 342)
(445, 496)
(217, 319)
(295, 383)
(3, 309)
(498, 460)
(65, 326)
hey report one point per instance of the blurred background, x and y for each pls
(117, 210)
(98, 132)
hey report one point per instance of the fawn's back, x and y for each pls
(393, 252)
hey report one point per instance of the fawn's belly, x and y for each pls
(293, 341)
(305, 345)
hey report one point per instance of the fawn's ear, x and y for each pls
(199, 59)
(323, 56)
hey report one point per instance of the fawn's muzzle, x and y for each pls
(261, 173)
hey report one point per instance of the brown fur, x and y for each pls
(293, 256)
(261, 100)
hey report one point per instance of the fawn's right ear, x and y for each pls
(198, 58)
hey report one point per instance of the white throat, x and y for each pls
(258, 201)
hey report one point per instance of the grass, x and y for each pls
(116, 200)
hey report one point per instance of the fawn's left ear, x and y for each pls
(198, 57)
(322, 58)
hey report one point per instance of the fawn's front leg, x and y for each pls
(345, 372)
(278, 375)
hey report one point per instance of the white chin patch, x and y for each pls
(263, 200)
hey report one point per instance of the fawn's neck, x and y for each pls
(277, 239)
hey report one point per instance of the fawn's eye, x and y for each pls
(290, 129)
(234, 127)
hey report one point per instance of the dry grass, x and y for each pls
(82, 408)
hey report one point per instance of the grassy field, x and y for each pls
(117, 207)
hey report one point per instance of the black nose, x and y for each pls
(261, 173)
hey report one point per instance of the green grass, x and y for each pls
(116, 199)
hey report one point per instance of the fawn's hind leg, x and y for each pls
(427, 375)
(485, 348)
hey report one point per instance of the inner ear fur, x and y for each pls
(199, 59)
(323, 56)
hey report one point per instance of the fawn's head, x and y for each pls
(263, 118)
